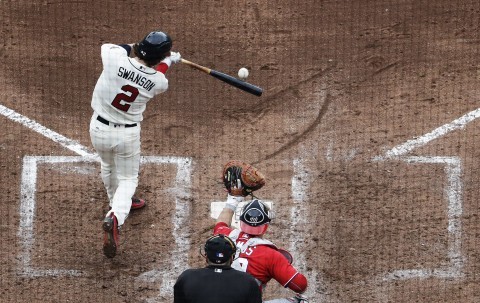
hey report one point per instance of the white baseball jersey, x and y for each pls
(125, 86)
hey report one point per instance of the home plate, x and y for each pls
(216, 208)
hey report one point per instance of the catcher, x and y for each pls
(255, 255)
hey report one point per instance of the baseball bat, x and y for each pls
(245, 86)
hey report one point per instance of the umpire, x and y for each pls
(218, 282)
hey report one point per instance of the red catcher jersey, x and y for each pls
(258, 257)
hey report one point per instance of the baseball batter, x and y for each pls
(132, 75)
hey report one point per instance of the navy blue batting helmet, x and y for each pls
(156, 45)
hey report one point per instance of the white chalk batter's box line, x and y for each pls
(453, 191)
(27, 209)
(166, 277)
(453, 194)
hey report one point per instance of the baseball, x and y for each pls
(243, 73)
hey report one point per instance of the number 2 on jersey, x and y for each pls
(127, 99)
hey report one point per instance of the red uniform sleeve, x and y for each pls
(285, 274)
(298, 283)
(221, 228)
(162, 67)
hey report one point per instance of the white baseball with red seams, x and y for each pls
(243, 73)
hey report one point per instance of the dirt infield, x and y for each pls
(366, 132)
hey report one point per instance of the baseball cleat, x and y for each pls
(298, 299)
(110, 239)
(137, 203)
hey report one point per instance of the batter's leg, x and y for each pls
(127, 162)
(109, 177)
(104, 142)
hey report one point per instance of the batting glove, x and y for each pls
(175, 57)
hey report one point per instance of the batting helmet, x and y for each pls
(255, 217)
(155, 46)
(219, 249)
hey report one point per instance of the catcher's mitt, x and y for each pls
(241, 179)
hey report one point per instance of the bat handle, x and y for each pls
(197, 66)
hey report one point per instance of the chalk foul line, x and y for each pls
(410, 145)
(48, 133)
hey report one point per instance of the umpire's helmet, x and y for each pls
(219, 249)
(255, 218)
(155, 46)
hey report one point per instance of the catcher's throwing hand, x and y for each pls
(241, 179)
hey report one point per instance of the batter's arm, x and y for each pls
(128, 48)
(164, 65)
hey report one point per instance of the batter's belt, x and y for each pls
(106, 122)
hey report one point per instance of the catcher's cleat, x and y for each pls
(298, 299)
(137, 203)
(110, 240)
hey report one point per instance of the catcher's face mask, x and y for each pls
(255, 218)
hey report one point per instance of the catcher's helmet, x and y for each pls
(255, 217)
(155, 46)
(219, 249)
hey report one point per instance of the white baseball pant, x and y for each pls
(119, 150)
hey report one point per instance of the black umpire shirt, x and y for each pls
(214, 284)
